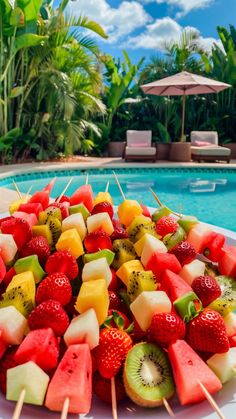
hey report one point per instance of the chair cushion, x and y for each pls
(139, 137)
(139, 145)
(209, 136)
(140, 151)
(210, 151)
(203, 143)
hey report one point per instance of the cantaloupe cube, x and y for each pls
(151, 245)
(148, 303)
(97, 269)
(192, 270)
(83, 329)
(71, 241)
(43, 230)
(75, 221)
(26, 278)
(128, 210)
(127, 268)
(94, 294)
(12, 325)
(100, 221)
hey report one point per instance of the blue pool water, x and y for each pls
(209, 194)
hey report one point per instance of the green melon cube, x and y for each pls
(30, 263)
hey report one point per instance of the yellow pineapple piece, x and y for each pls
(103, 197)
(128, 210)
(43, 230)
(94, 294)
(14, 206)
(70, 240)
(127, 268)
(26, 281)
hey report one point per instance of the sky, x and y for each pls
(143, 27)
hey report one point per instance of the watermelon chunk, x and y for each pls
(174, 285)
(189, 369)
(3, 346)
(83, 195)
(72, 379)
(41, 197)
(213, 247)
(160, 262)
(41, 347)
(49, 187)
(198, 236)
(30, 208)
(227, 264)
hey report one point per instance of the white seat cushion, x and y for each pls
(140, 151)
(205, 136)
(137, 138)
(210, 151)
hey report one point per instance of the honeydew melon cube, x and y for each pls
(83, 329)
(192, 270)
(94, 294)
(26, 278)
(12, 325)
(75, 221)
(97, 269)
(75, 209)
(8, 247)
(30, 263)
(30, 377)
(224, 365)
(127, 268)
(148, 303)
(100, 221)
(151, 245)
(230, 323)
(70, 240)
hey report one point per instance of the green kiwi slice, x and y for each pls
(50, 212)
(18, 298)
(227, 301)
(147, 375)
(140, 281)
(124, 251)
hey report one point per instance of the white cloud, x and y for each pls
(118, 22)
(185, 6)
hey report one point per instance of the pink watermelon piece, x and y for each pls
(174, 285)
(146, 211)
(41, 347)
(30, 208)
(188, 370)
(73, 379)
(41, 197)
(199, 236)
(83, 195)
(160, 262)
(227, 264)
(3, 346)
(48, 188)
(3, 269)
(30, 218)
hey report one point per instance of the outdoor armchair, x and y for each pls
(139, 146)
(205, 147)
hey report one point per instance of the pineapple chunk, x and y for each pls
(103, 197)
(128, 210)
(71, 241)
(94, 294)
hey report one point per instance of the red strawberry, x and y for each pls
(232, 341)
(63, 207)
(9, 275)
(114, 284)
(37, 246)
(166, 225)
(113, 347)
(19, 228)
(114, 299)
(103, 207)
(119, 231)
(62, 261)
(207, 332)
(64, 198)
(97, 240)
(7, 362)
(206, 288)
(102, 388)
(49, 314)
(137, 334)
(184, 252)
(54, 287)
(118, 320)
(166, 328)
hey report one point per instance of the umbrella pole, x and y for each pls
(183, 117)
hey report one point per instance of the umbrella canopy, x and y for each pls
(183, 84)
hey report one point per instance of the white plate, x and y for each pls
(226, 398)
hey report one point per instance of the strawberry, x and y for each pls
(166, 328)
(166, 225)
(37, 246)
(9, 275)
(114, 284)
(64, 198)
(114, 344)
(62, 261)
(19, 228)
(103, 207)
(63, 208)
(7, 362)
(207, 332)
(54, 287)
(114, 300)
(119, 231)
(137, 334)
(184, 252)
(102, 388)
(97, 240)
(50, 313)
(206, 288)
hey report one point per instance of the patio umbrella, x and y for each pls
(183, 84)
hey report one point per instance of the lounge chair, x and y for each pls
(139, 146)
(204, 147)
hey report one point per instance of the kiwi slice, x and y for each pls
(140, 281)
(227, 301)
(137, 224)
(124, 251)
(50, 212)
(55, 228)
(147, 375)
(18, 298)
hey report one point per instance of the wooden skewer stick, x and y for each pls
(211, 401)
(113, 398)
(168, 408)
(19, 405)
(65, 189)
(156, 197)
(119, 186)
(86, 181)
(17, 189)
(28, 192)
(107, 186)
(65, 408)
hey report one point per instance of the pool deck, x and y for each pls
(7, 195)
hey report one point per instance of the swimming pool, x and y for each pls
(208, 193)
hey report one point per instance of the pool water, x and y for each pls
(209, 194)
